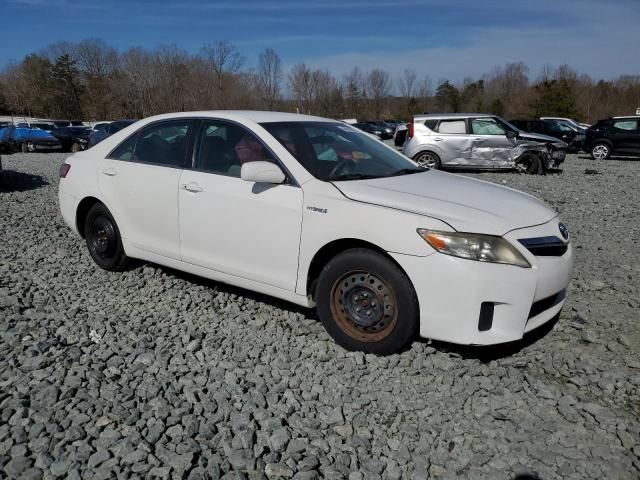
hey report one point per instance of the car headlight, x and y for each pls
(473, 246)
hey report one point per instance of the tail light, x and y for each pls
(410, 129)
(64, 170)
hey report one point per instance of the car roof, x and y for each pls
(252, 115)
(453, 115)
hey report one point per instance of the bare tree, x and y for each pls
(301, 86)
(406, 83)
(378, 85)
(269, 77)
(225, 61)
(353, 86)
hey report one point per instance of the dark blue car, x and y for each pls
(28, 139)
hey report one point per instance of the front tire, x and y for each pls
(427, 159)
(367, 303)
(600, 151)
(76, 147)
(24, 148)
(530, 164)
(103, 239)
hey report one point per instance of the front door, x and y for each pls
(240, 228)
(625, 135)
(491, 146)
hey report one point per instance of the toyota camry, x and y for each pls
(318, 213)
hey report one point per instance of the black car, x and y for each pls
(73, 139)
(385, 129)
(553, 128)
(96, 136)
(617, 135)
(372, 129)
(68, 123)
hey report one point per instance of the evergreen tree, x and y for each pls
(65, 85)
(554, 98)
(448, 97)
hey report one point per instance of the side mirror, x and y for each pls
(511, 134)
(262, 172)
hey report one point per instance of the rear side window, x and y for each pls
(452, 126)
(163, 143)
(626, 124)
(124, 151)
(223, 147)
(431, 124)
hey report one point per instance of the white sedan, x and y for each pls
(316, 212)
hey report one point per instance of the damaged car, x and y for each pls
(479, 141)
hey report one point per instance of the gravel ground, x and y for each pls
(154, 373)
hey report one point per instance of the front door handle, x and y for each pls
(191, 187)
(438, 139)
(110, 172)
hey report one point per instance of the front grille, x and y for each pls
(546, 303)
(545, 246)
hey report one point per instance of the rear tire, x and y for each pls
(428, 159)
(600, 151)
(24, 148)
(76, 147)
(367, 303)
(103, 239)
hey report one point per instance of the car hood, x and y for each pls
(466, 204)
(537, 137)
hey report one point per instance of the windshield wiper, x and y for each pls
(352, 176)
(408, 171)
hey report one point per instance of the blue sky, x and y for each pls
(440, 38)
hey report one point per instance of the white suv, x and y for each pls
(318, 213)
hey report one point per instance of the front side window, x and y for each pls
(164, 143)
(626, 124)
(486, 126)
(223, 147)
(335, 151)
(452, 126)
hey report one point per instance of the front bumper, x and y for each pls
(452, 291)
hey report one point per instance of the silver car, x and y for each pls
(476, 140)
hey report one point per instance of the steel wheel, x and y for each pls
(364, 306)
(600, 151)
(103, 240)
(428, 160)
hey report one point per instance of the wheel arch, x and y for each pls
(81, 212)
(333, 248)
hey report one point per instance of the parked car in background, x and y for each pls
(32, 139)
(400, 134)
(47, 126)
(317, 213)
(73, 139)
(371, 129)
(386, 130)
(68, 123)
(6, 140)
(573, 136)
(617, 135)
(479, 141)
(570, 121)
(97, 135)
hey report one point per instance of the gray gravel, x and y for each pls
(152, 373)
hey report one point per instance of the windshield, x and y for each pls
(335, 151)
(507, 125)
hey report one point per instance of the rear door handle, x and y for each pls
(478, 139)
(191, 187)
(110, 172)
(438, 139)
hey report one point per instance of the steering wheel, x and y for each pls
(340, 166)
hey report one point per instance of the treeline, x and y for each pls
(93, 81)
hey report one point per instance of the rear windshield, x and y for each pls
(336, 151)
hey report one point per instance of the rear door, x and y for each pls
(453, 142)
(139, 182)
(491, 146)
(625, 135)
